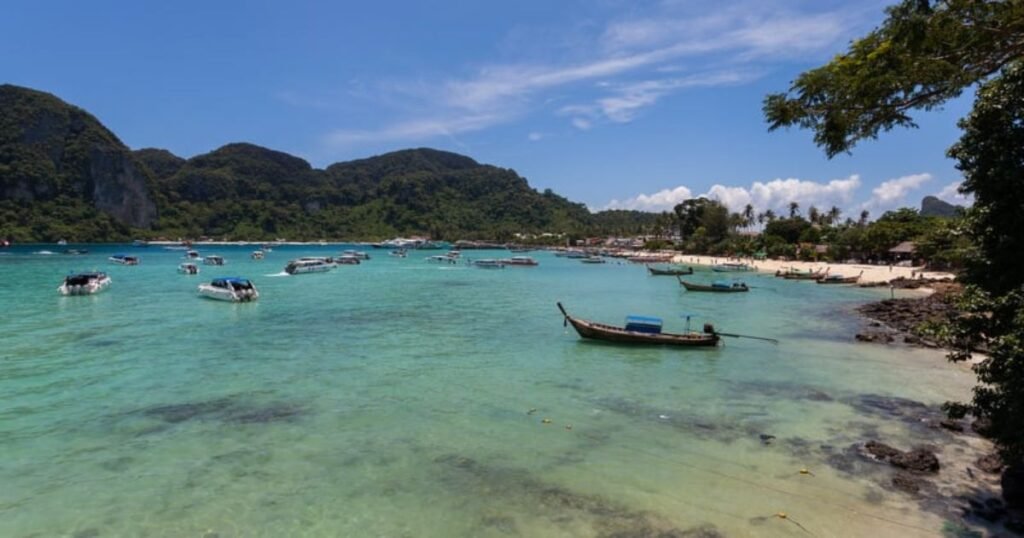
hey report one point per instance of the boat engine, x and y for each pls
(709, 328)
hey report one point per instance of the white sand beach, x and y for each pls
(871, 273)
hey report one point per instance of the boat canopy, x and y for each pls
(231, 281)
(643, 324)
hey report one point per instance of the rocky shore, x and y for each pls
(905, 319)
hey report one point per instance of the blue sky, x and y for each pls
(631, 104)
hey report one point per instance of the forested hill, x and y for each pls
(64, 175)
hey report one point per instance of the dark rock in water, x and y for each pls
(918, 460)
(766, 438)
(985, 510)
(181, 412)
(990, 463)
(1013, 486)
(262, 415)
(881, 451)
(982, 426)
(875, 337)
(951, 425)
(908, 483)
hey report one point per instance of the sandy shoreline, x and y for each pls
(871, 273)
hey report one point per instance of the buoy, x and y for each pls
(545, 421)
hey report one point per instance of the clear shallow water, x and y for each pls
(393, 398)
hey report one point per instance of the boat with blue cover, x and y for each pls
(233, 289)
(644, 330)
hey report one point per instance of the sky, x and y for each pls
(631, 104)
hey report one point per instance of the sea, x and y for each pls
(404, 398)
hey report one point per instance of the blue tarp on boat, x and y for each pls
(643, 324)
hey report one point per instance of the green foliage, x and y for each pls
(926, 52)
(788, 230)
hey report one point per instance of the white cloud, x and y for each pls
(414, 130)
(663, 200)
(893, 193)
(775, 195)
(535, 136)
(950, 193)
(581, 123)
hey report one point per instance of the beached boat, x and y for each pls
(84, 284)
(520, 261)
(233, 289)
(124, 259)
(213, 260)
(803, 275)
(718, 286)
(593, 259)
(730, 267)
(488, 264)
(671, 271)
(357, 254)
(188, 268)
(839, 279)
(442, 259)
(308, 265)
(257, 255)
(640, 330)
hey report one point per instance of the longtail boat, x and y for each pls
(718, 286)
(840, 279)
(815, 275)
(671, 271)
(641, 330)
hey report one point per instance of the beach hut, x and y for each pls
(903, 251)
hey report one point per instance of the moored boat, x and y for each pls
(188, 268)
(84, 283)
(346, 260)
(730, 267)
(213, 260)
(717, 286)
(257, 255)
(593, 260)
(670, 271)
(357, 254)
(232, 289)
(308, 265)
(399, 253)
(651, 258)
(839, 279)
(488, 264)
(442, 259)
(192, 255)
(641, 330)
(520, 261)
(124, 259)
(804, 275)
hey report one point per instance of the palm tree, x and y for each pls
(769, 215)
(760, 218)
(863, 218)
(814, 215)
(794, 209)
(748, 216)
(833, 215)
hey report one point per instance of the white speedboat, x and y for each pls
(84, 284)
(357, 254)
(346, 260)
(309, 265)
(489, 264)
(213, 260)
(192, 255)
(188, 268)
(233, 289)
(124, 259)
(257, 255)
(442, 259)
(521, 261)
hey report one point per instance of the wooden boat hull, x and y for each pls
(847, 280)
(669, 272)
(608, 333)
(701, 287)
(802, 276)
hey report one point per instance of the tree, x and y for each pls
(689, 214)
(833, 215)
(748, 216)
(814, 215)
(925, 53)
(769, 215)
(864, 216)
(794, 209)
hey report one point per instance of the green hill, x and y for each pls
(63, 175)
(934, 207)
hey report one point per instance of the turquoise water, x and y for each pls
(396, 398)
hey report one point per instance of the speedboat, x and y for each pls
(75, 251)
(357, 254)
(346, 260)
(592, 259)
(233, 289)
(192, 255)
(489, 264)
(400, 253)
(309, 265)
(124, 259)
(257, 255)
(84, 284)
(62, 242)
(521, 261)
(442, 259)
(213, 260)
(188, 268)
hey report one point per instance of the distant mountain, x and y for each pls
(58, 159)
(64, 175)
(934, 207)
